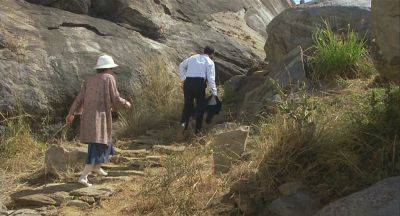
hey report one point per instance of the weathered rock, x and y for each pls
(60, 159)
(290, 188)
(381, 199)
(299, 204)
(56, 199)
(75, 6)
(86, 199)
(35, 200)
(2, 42)
(2, 207)
(386, 30)
(49, 189)
(155, 158)
(169, 149)
(294, 26)
(120, 159)
(125, 173)
(78, 204)
(228, 147)
(95, 191)
(56, 50)
(21, 212)
(288, 74)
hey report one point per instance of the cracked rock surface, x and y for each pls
(53, 45)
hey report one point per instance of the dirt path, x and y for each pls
(126, 171)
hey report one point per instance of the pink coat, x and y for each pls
(97, 97)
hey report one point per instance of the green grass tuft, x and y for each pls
(339, 55)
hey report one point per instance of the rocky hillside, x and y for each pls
(48, 47)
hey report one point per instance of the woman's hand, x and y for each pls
(128, 104)
(69, 119)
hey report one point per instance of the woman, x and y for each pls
(98, 96)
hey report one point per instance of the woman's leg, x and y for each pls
(86, 171)
(99, 170)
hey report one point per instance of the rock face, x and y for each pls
(47, 52)
(381, 199)
(288, 73)
(60, 159)
(300, 204)
(386, 30)
(295, 26)
(2, 207)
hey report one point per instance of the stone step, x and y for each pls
(169, 149)
(111, 166)
(146, 140)
(115, 173)
(95, 191)
(155, 158)
(39, 199)
(133, 153)
(118, 159)
(109, 179)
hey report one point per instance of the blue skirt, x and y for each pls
(99, 153)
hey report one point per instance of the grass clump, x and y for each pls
(157, 99)
(19, 149)
(339, 55)
(185, 185)
(346, 143)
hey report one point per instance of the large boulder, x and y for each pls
(386, 30)
(299, 204)
(381, 199)
(289, 74)
(60, 159)
(47, 52)
(295, 26)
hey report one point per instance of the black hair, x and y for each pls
(102, 70)
(208, 50)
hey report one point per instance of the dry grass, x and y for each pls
(19, 149)
(157, 99)
(185, 185)
(348, 144)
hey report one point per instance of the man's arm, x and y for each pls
(183, 69)
(211, 78)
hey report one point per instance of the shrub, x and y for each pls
(339, 55)
(157, 100)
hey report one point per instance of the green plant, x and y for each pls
(157, 99)
(339, 55)
(296, 105)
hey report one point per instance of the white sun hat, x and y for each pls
(105, 61)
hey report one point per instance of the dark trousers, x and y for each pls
(194, 90)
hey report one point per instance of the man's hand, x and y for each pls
(69, 119)
(129, 105)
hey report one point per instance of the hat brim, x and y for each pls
(106, 66)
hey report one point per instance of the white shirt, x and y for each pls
(199, 66)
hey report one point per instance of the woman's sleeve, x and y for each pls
(117, 101)
(77, 105)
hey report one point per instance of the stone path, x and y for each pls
(141, 155)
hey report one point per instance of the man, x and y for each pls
(195, 71)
